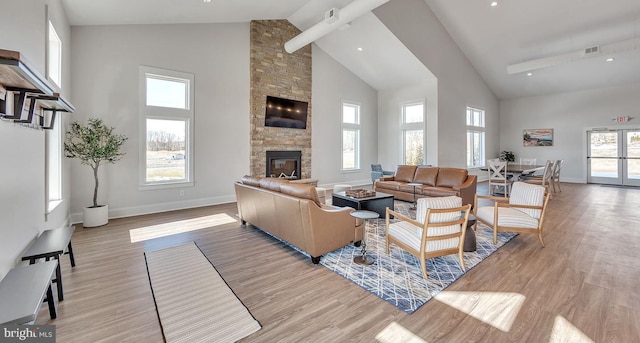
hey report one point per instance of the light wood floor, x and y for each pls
(584, 285)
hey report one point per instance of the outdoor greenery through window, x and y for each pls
(413, 133)
(168, 117)
(475, 138)
(350, 136)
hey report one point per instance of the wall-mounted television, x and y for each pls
(285, 113)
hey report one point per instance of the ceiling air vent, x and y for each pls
(591, 50)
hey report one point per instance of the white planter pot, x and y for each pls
(95, 216)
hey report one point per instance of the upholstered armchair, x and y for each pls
(377, 172)
(438, 230)
(522, 212)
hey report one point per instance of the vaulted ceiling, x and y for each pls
(547, 38)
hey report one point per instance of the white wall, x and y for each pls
(459, 84)
(333, 83)
(22, 171)
(105, 85)
(569, 115)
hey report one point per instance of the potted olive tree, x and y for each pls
(94, 144)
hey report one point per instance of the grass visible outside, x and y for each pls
(165, 165)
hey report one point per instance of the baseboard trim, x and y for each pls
(123, 212)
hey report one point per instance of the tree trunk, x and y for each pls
(95, 189)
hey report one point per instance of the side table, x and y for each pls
(414, 192)
(470, 235)
(364, 215)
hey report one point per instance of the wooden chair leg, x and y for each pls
(461, 257)
(387, 244)
(423, 264)
(540, 238)
(495, 235)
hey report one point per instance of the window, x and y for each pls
(54, 56)
(475, 138)
(413, 133)
(166, 127)
(350, 136)
(53, 165)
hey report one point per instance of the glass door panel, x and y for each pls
(631, 158)
(603, 157)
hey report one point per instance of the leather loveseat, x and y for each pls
(293, 213)
(435, 182)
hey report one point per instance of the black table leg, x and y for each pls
(59, 279)
(73, 260)
(51, 302)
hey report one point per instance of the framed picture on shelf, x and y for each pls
(537, 137)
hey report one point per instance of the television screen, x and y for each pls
(285, 113)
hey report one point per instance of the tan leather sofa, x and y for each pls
(435, 182)
(293, 213)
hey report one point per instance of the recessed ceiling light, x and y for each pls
(529, 73)
(359, 49)
(610, 59)
(206, 1)
(494, 3)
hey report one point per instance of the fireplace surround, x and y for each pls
(284, 163)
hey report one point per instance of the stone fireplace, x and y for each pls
(284, 164)
(275, 72)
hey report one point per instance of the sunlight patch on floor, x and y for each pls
(180, 226)
(564, 331)
(498, 309)
(396, 333)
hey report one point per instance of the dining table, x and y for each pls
(519, 169)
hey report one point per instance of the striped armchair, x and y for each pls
(522, 212)
(438, 230)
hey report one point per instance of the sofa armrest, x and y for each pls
(387, 178)
(467, 189)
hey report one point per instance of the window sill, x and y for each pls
(52, 205)
(350, 171)
(181, 184)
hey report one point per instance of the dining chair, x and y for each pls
(522, 212)
(498, 176)
(528, 162)
(545, 179)
(438, 230)
(555, 178)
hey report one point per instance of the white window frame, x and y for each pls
(355, 127)
(53, 166)
(54, 55)
(475, 129)
(166, 113)
(415, 126)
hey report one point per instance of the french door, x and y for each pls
(613, 157)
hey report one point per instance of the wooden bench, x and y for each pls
(52, 244)
(23, 290)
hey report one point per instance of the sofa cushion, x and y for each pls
(302, 191)
(405, 173)
(272, 183)
(251, 180)
(451, 177)
(438, 191)
(426, 175)
(394, 185)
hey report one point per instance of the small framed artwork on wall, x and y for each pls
(537, 137)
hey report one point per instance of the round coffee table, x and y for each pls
(414, 184)
(364, 215)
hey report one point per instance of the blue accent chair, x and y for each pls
(377, 172)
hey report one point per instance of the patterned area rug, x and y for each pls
(397, 278)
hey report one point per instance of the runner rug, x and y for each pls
(397, 277)
(194, 303)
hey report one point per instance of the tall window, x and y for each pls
(54, 165)
(350, 136)
(475, 138)
(166, 127)
(413, 133)
(54, 56)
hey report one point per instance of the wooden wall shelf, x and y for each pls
(21, 80)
